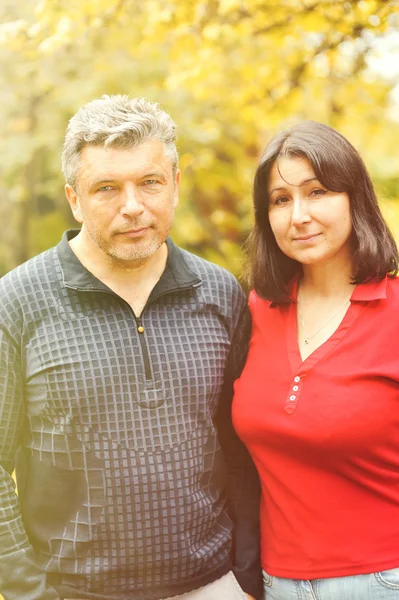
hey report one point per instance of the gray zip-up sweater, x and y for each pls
(132, 483)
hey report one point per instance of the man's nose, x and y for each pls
(132, 204)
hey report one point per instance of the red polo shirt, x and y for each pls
(324, 435)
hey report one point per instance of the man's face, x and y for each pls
(125, 199)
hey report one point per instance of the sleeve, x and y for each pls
(20, 575)
(243, 486)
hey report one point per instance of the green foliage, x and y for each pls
(230, 72)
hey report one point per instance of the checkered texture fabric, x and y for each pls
(129, 480)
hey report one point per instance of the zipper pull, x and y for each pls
(140, 328)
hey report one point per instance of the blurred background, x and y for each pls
(230, 72)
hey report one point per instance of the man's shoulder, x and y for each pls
(208, 270)
(31, 277)
(219, 286)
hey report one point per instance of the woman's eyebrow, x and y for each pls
(304, 182)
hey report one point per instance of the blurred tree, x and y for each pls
(229, 71)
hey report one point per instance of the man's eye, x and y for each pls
(105, 188)
(150, 182)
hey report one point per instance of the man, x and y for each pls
(118, 354)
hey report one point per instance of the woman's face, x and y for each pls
(311, 224)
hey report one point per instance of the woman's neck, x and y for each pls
(326, 281)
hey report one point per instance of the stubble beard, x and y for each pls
(125, 255)
(134, 253)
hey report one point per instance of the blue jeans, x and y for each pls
(375, 586)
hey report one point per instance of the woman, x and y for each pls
(317, 403)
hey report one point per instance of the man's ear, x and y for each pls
(74, 203)
(176, 190)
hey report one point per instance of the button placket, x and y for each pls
(293, 395)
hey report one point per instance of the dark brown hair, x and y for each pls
(339, 168)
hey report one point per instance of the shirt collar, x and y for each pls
(176, 275)
(373, 290)
(363, 292)
(293, 291)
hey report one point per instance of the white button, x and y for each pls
(297, 379)
(292, 397)
(295, 388)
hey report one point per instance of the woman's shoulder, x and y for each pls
(393, 289)
(256, 302)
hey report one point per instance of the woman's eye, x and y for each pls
(281, 200)
(318, 192)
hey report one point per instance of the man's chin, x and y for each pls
(133, 255)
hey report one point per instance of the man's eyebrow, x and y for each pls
(94, 182)
(153, 174)
(304, 182)
(98, 182)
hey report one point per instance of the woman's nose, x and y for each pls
(300, 212)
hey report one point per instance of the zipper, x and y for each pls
(141, 329)
(138, 320)
(144, 347)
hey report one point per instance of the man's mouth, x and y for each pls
(134, 232)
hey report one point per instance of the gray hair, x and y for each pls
(119, 122)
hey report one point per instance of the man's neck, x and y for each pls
(133, 281)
